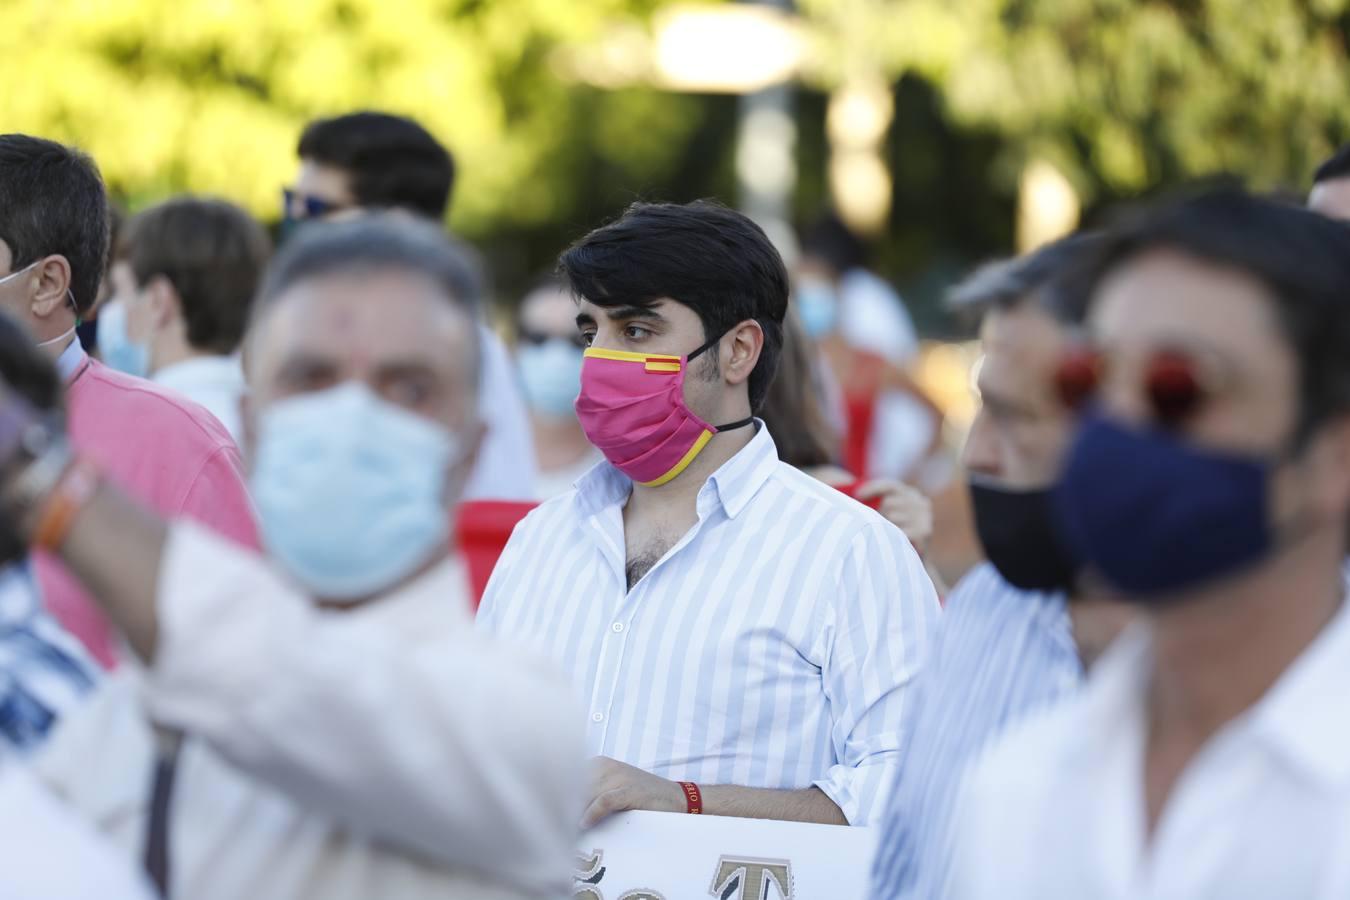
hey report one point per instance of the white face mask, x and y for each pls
(69, 295)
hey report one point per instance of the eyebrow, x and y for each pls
(622, 313)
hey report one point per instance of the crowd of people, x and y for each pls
(243, 657)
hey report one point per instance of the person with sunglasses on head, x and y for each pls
(1208, 485)
(167, 451)
(368, 161)
(548, 357)
(746, 636)
(1017, 632)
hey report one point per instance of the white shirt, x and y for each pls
(872, 317)
(215, 382)
(1263, 811)
(506, 468)
(387, 751)
(50, 854)
(773, 646)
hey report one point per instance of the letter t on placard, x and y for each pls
(749, 879)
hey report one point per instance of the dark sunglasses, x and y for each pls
(1176, 383)
(315, 207)
(526, 336)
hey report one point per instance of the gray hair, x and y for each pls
(1006, 283)
(375, 243)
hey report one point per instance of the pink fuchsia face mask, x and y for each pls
(632, 409)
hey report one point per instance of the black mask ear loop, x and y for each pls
(730, 426)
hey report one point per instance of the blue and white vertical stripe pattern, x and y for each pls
(44, 672)
(1000, 654)
(773, 646)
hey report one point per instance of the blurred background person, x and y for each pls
(1330, 193)
(377, 161)
(325, 751)
(1020, 630)
(1208, 485)
(184, 274)
(868, 339)
(548, 363)
(793, 415)
(168, 452)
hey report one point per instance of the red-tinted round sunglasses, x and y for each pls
(1175, 382)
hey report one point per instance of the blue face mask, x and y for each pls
(116, 349)
(1157, 516)
(351, 490)
(550, 374)
(818, 307)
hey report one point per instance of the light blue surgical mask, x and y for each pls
(818, 307)
(351, 490)
(117, 350)
(550, 375)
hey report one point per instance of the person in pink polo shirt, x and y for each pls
(166, 451)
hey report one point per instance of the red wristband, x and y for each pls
(693, 797)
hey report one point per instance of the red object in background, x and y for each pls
(481, 534)
(852, 489)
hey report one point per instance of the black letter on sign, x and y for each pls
(749, 879)
(641, 894)
(588, 873)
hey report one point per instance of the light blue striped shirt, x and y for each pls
(773, 646)
(1000, 654)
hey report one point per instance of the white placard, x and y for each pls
(663, 856)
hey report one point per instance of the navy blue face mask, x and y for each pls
(1157, 516)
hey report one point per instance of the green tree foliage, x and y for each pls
(211, 95)
(1122, 94)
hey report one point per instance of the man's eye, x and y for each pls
(588, 337)
(635, 332)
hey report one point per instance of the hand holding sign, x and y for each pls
(618, 787)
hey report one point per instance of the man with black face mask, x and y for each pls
(1011, 641)
(1209, 484)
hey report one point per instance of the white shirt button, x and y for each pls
(597, 717)
(618, 627)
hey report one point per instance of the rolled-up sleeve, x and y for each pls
(456, 748)
(883, 616)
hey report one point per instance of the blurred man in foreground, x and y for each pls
(347, 734)
(1331, 186)
(1018, 631)
(165, 451)
(1210, 485)
(184, 274)
(375, 161)
(746, 635)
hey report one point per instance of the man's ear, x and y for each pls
(53, 287)
(741, 347)
(166, 306)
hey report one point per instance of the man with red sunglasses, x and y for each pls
(1017, 631)
(1208, 486)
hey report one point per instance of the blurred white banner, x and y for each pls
(662, 856)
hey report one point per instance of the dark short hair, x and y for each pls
(26, 371)
(834, 243)
(1302, 259)
(702, 255)
(52, 201)
(1007, 283)
(392, 161)
(1338, 166)
(212, 252)
(377, 243)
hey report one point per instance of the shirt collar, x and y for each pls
(1304, 717)
(70, 360)
(732, 486)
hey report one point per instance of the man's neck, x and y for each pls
(165, 353)
(1216, 654)
(1097, 620)
(679, 496)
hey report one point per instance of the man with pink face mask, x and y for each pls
(743, 635)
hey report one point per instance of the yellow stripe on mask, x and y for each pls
(683, 463)
(629, 356)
